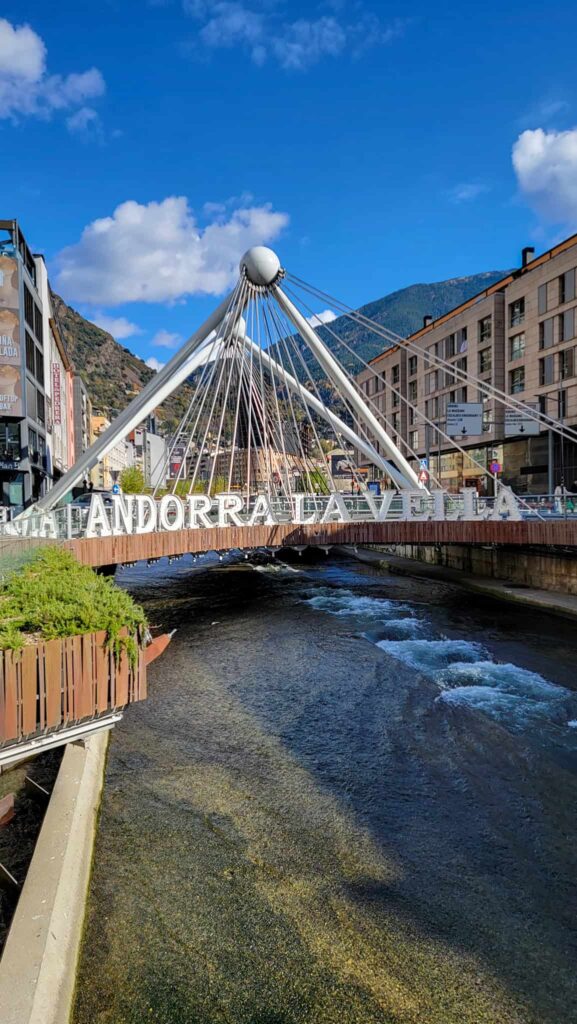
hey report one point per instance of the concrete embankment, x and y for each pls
(38, 966)
(503, 589)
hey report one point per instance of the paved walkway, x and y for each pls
(548, 600)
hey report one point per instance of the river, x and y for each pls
(350, 797)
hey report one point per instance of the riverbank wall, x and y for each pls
(38, 966)
(554, 570)
(389, 559)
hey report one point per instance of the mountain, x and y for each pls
(113, 374)
(401, 312)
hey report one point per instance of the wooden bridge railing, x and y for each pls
(49, 687)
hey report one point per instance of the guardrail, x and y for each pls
(68, 685)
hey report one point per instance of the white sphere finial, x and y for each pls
(261, 265)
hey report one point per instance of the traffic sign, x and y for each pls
(496, 467)
(464, 419)
(424, 472)
(518, 422)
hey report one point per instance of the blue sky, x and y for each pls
(148, 142)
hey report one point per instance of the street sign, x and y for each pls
(424, 472)
(464, 419)
(518, 422)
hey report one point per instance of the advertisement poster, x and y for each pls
(11, 382)
(342, 464)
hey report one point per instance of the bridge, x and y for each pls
(270, 401)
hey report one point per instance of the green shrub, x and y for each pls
(54, 596)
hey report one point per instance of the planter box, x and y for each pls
(51, 687)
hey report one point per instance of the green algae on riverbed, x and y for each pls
(293, 832)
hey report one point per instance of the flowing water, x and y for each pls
(350, 797)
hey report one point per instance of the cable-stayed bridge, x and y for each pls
(254, 447)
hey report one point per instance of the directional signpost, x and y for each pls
(518, 422)
(464, 419)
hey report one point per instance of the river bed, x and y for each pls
(350, 797)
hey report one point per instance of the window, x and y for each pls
(412, 415)
(567, 287)
(413, 390)
(38, 324)
(39, 367)
(431, 382)
(450, 346)
(485, 329)
(30, 354)
(461, 394)
(546, 370)
(9, 440)
(516, 312)
(461, 364)
(396, 374)
(567, 325)
(561, 405)
(414, 440)
(30, 400)
(486, 420)
(546, 333)
(32, 443)
(396, 399)
(432, 408)
(463, 340)
(28, 307)
(517, 346)
(517, 380)
(566, 363)
(412, 365)
(40, 406)
(542, 298)
(485, 362)
(395, 422)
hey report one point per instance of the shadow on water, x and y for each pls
(296, 828)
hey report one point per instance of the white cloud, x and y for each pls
(25, 87)
(118, 326)
(295, 45)
(154, 364)
(467, 191)
(166, 339)
(546, 167)
(326, 317)
(85, 123)
(305, 42)
(158, 253)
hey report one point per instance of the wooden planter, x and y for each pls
(49, 687)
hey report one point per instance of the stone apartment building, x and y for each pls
(519, 335)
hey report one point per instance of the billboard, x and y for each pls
(342, 464)
(11, 377)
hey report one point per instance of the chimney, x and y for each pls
(427, 320)
(527, 255)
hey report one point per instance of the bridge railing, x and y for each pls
(70, 522)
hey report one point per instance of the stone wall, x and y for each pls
(546, 570)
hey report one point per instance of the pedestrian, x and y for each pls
(560, 495)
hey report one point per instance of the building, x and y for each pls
(36, 427)
(106, 473)
(150, 454)
(520, 336)
(82, 408)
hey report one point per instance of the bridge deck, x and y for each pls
(133, 548)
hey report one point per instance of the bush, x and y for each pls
(54, 596)
(132, 480)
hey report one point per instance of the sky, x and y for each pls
(148, 143)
